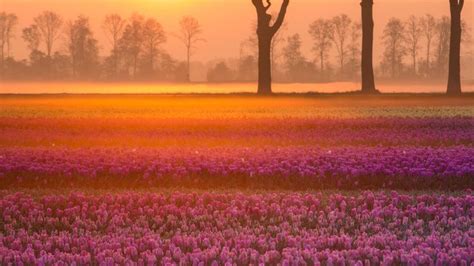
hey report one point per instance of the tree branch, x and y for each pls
(269, 4)
(461, 5)
(281, 16)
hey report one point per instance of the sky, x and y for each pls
(225, 22)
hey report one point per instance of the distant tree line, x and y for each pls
(415, 48)
(68, 50)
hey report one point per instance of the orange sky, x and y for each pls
(225, 22)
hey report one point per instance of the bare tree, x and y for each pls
(153, 36)
(454, 79)
(82, 47)
(354, 48)
(393, 39)
(265, 33)
(412, 36)
(114, 26)
(277, 40)
(190, 35)
(293, 56)
(8, 23)
(131, 42)
(442, 39)
(342, 26)
(368, 79)
(49, 25)
(32, 37)
(428, 29)
(11, 23)
(322, 32)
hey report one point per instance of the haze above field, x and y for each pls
(225, 23)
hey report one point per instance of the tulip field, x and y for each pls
(236, 180)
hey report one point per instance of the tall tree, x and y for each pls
(32, 37)
(7, 24)
(442, 38)
(342, 27)
(367, 68)
(190, 35)
(413, 35)
(354, 49)
(454, 79)
(153, 37)
(252, 43)
(277, 40)
(11, 23)
(49, 25)
(428, 29)
(393, 39)
(265, 34)
(298, 69)
(292, 56)
(322, 32)
(114, 26)
(82, 48)
(131, 43)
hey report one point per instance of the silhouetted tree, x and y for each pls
(354, 49)
(82, 48)
(32, 37)
(15, 70)
(220, 73)
(190, 35)
(297, 68)
(131, 43)
(248, 70)
(265, 34)
(49, 25)
(342, 27)
(277, 40)
(7, 24)
(454, 79)
(114, 26)
(393, 39)
(442, 38)
(322, 32)
(292, 56)
(412, 36)
(367, 69)
(428, 29)
(153, 37)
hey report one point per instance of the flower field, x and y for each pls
(236, 180)
(242, 229)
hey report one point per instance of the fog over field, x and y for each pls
(172, 88)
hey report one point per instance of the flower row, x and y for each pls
(220, 132)
(236, 228)
(379, 167)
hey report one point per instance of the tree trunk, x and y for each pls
(264, 65)
(342, 65)
(265, 34)
(2, 59)
(188, 64)
(454, 79)
(414, 63)
(322, 62)
(135, 59)
(368, 80)
(428, 63)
